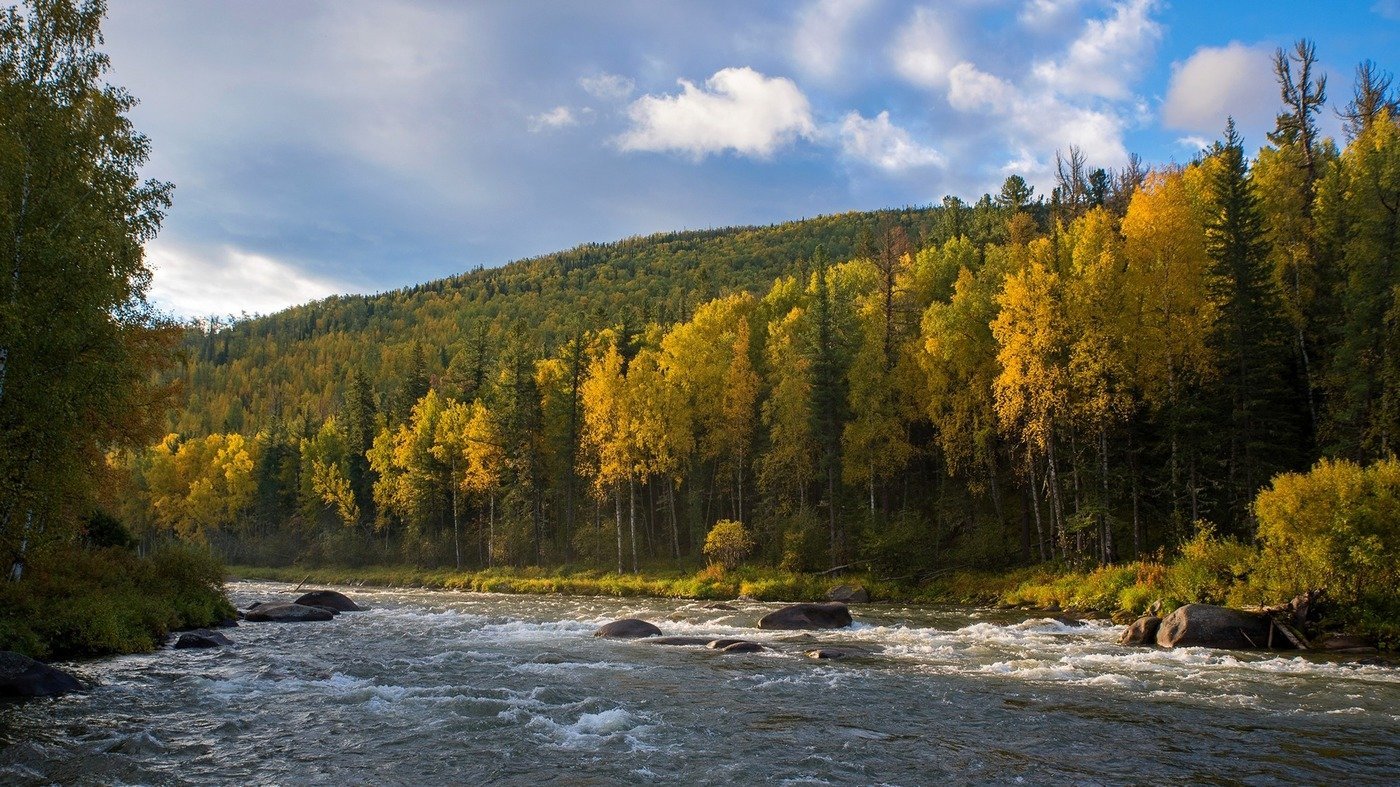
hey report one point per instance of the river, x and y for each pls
(433, 687)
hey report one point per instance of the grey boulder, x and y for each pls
(1208, 626)
(286, 613)
(628, 628)
(202, 638)
(331, 599)
(21, 676)
(830, 615)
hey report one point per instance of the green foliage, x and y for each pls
(727, 544)
(83, 603)
(1336, 527)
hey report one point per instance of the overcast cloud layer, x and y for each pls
(350, 146)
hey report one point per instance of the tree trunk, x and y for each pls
(675, 525)
(617, 511)
(1035, 504)
(632, 519)
(491, 534)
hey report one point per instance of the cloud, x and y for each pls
(819, 43)
(1390, 9)
(1108, 54)
(559, 117)
(1037, 122)
(880, 143)
(925, 52)
(608, 87)
(1218, 81)
(1041, 13)
(738, 109)
(194, 282)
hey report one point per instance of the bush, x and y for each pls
(727, 544)
(1207, 568)
(1336, 528)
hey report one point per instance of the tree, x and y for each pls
(1371, 95)
(1249, 336)
(77, 339)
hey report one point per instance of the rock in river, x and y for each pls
(831, 615)
(1142, 631)
(742, 646)
(694, 641)
(329, 598)
(628, 628)
(21, 676)
(286, 613)
(848, 595)
(202, 638)
(1207, 626)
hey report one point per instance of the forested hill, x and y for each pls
(291, 366)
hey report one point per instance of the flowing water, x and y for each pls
(440, 687)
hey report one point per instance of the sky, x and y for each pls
(353, 146)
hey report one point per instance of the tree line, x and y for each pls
(1084, 376)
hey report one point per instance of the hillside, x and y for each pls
(292, 365)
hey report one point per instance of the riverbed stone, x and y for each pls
(329, 598)
(830, 615)
(848, 594)
(826, 653)
(742, 646)
(21, 676)
(202, 638)
(693, 641)
(721, 643)
(1142, 631)
(1209, 626)
(628, 628)
(286, 613)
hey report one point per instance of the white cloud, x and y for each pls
(1219, 81)
(559, 117)
(879, 142)
(1193, 143)
(819, 43)
(608, 87)
(1108, 54)
(1037, 122)
(1040, 13)
(199, 283)
(970, 89)
(925, 52)
(738, 109)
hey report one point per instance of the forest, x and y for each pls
(1099, 374)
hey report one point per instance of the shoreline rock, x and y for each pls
(797, 617)
(330, 599)
(1208, 626)
(21, 676)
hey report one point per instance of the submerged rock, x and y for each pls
(21, 676)
(848, 595)
(742, 646)
(628, 628)
(1142, 631)
(830, 615)
(695, 641)
(202, 638)
(722, 643)
(827, 653)
(329, 598)
(720, 605)
(1208, 626)
(286, 613)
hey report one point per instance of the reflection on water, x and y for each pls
(431, 687)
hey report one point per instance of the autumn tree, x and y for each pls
(78, 342)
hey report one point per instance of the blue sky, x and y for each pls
(328, 147)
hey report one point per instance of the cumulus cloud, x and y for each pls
(1218, 81)
(880, 143)
(738, 109)
(819, 43)
(970, 89)
(194, 282)
(925, 52)
(1038, 13)
(607, 87)
(1108, 54)
(559, 117)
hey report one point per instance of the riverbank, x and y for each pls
(762, 584)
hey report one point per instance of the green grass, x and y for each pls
(764, 584)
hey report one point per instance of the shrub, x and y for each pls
(727, 543)
(1208, 568)
(1336, 527)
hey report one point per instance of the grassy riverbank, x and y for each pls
(83, 603)
(764, 584)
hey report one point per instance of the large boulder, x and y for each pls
(202, 638)
(1207, 626)
(722, 643)
(331, 599)
(628, 628)
(21, 676)
(831, 615)
(743, 646)
(848, 595)
(286, 613)
(1142, 631)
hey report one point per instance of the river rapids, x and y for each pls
(435, 687)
